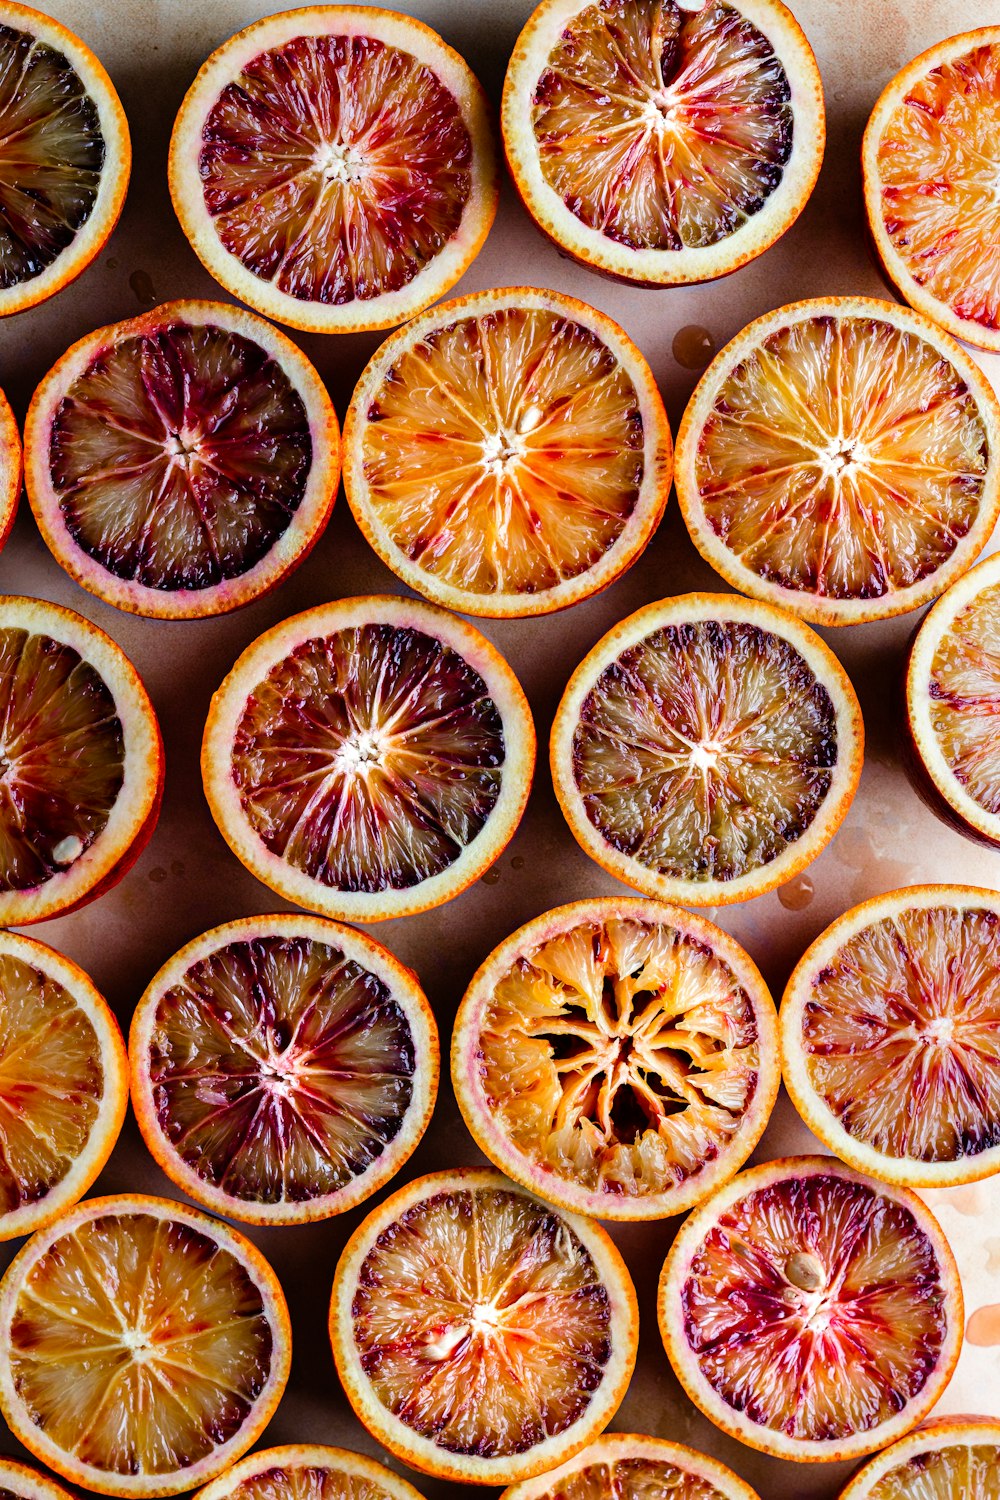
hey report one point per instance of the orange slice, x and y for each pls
(183, 462)
(707, 749)
(929, 160)
(508, 453)
(19, 1482)
(619, 1057)
(307, 1471)
(480, 1335)
(369, 758)
(890, 1036)
(81, 761)
(841, 457)
(952, 1458)
(622, 1466)
(65, 157)
(10, 468)
(283, 1068)
(334, 167)
(811, 1312)
(661, 142)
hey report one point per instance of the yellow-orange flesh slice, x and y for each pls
(308, 1471)
(144, 1346)
(479, 1334)
(953, 1458)
(812, 1312)
(899, 1002)
(929, 158)
(625, 1466)
(619, 1057)
(841, 457)
(508, 453)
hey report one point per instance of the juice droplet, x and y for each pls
(983, 1328)
(142, 285)
(491, 877)
(517, 863)
(693, 346)
(797, 894)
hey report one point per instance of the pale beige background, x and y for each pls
(187, 880)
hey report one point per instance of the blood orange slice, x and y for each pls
(929, 164)
(841, 457)
(283, 1068)
(19, 1482)
(508, 453)
(369, 758)
(811, 1312)
(307, 1471)
(10, 468)
(81, 761)
(622, 1466)
(617, 1056)
(479, 1334)
(662, 142)
(334, 167)
(706, 749)
(953, 1458)
(182, 463)
(890, 1036)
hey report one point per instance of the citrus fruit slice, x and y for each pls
(619, 1057)
(890, 1036)
(508, 453)
(929, 166)
(369, 758)
(334, 167)
(841, 457)
(307, 1471)
(63, 1084)
(143, 1346)
(10, 468)
(811, 1312)
(706, 749)
(952, 1458)
(283, 1068)
(65, 157)
(953, 702)
(662, 142)
(81, 761)
(479, 1334)
(622, 1466)
(183, 462)
(19, 1482)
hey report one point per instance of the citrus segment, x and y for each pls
(334, 167)
(283, 1068)
(307, 1471)
(841, 457)
(619, 1057)
(508, 453)
(811, 1312)
(144, 1346)
(948, 1458)
(183, 462)
(19, 1482)
(479, 1334)
(621, 1466)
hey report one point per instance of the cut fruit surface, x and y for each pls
(143, 1346)
(369, 758)
(890, 1036)
(841, 457)
(707, 749)
(508, 453)
(618, 1057)
(623, 1466)
(308, 1471)
(19, 1482)
(929, 165)
(65, 157)
(334, 167)
(10, 468)
(81, 761)
(661, 142)
(952, 1458)
(479, 1334)
(812, 1312)
(283, 1068)
(182, 463)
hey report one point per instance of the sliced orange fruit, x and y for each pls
(283, 1068)
(508, 452)
(143, 1346)
(479, 1334)
(841, 457)
(20, 1482)
(10, 468)
(334, 167)
(81, 761)
(890, 1036)
(369, 758)
(619, 1057)
(623, 1466)
(307, 1471)
(706, 749)
(663, 142)
(953, 702)
(952, 1458)
(183, 462)
(929, 162)
(811, 1312)
(65, 157)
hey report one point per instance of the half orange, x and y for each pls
(307, 1471)
(951, 1458)
(623, 1466)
